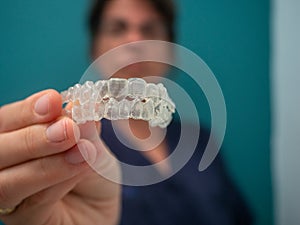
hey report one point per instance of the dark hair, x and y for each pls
(165, 8)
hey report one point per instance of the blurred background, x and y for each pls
(45, 44)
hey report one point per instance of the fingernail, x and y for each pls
(57, 131)
(41, 106)
(77, 156)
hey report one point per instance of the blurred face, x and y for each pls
(126, 21)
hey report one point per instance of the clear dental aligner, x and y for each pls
(118, 98)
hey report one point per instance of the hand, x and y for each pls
(43, 172)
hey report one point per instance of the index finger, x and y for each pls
(41, 107)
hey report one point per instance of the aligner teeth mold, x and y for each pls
(118, 98)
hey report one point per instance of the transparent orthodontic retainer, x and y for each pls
(118, 98)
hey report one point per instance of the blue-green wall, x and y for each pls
(44, 44)
(233, 39)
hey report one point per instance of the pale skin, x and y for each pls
(42, 170)
(46, 172)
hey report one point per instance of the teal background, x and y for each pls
(44, 44)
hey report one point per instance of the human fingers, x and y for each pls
(44, 205)
(41, 107)
(22, 181)
(90, 130)
(106, 175)
(37, 141)
(100, 188)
